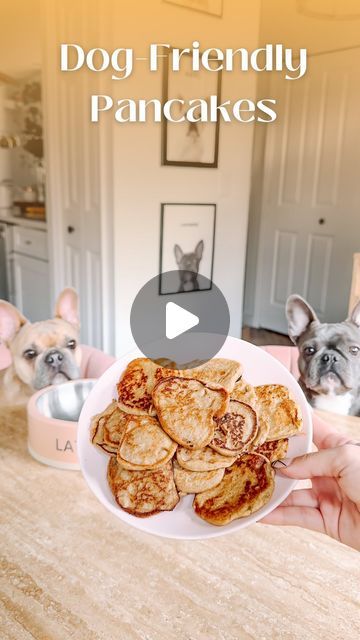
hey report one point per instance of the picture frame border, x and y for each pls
(164, 135)
(208, 13)
(162, 216)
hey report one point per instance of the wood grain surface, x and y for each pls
(69, 569)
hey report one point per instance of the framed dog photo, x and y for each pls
(213, 7)
(189, 144)
(187, 239)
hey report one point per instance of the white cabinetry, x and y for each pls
(29, 272)
(31, 280)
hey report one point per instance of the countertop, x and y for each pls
(72, 570)
(10, 218)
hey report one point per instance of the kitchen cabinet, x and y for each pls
(31, 284)
(25, 260)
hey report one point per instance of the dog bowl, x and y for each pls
(53, 414)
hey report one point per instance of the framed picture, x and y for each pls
(187, 239)
(214, 7)
(189, 144)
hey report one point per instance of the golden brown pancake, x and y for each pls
(274, 450)
(196, 481)
(143, 493)
(219, 370)
(278, 411)
(186, 409)
(246, 487)
(202, 459)
(244, 392)
(135, 387)
(235, 430)
(108, 428)
(138, 381)
(222, 371)
(145, 445)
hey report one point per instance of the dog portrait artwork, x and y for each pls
(187, 246)
(188, 264)
(42, 353)
(329, 357)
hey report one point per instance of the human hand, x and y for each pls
(332, 505)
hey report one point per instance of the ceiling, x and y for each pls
(282, 22)
(21, 20)
(20, 37)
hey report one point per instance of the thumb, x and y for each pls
(327, 462)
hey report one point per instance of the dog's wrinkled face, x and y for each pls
(329, 359)
(46, 353)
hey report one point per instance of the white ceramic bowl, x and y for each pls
(53, 414)
(259, 368)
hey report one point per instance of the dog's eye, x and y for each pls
(309, 351)
(71, 344)
(30, 354)
(354, 350)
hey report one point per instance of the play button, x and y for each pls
(178, 320)
(183, 327)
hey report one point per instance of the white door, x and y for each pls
(75, 190)
(310, 218)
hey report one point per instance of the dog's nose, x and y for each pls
(54, 358)
(329, 357)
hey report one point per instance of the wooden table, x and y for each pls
(71, 570)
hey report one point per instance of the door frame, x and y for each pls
(55, 217)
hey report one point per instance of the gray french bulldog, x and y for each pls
(329, 357)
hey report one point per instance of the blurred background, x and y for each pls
(80, 203)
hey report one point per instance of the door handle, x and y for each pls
(321, 220)
(70, 229)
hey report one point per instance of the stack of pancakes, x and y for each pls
(202, 431)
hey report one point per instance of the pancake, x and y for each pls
(135, 387)
(143, 493)
(278, 411)
(186, 409)
(196, 481)
(144, 445)
(274, 450)
(235, 431)
(108, 428)
(244, 392)
(141, 376)
(246, 487)
(219, 370)
(202, 459)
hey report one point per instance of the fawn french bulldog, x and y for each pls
(329, 357)
(43, 353)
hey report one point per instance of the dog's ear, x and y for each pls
(178, 253)
(299, 315)
(199, 249)
(67, 307)
(11, 320)
(354, 316)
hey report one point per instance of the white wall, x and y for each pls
(141, 183)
